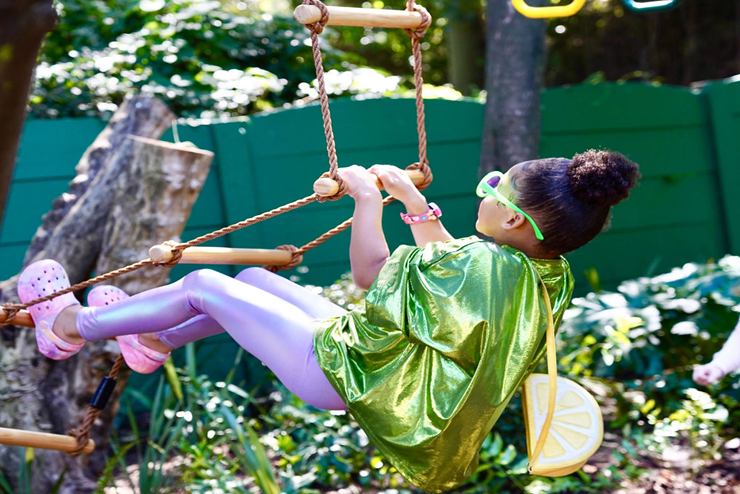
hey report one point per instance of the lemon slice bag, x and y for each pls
(563, 421)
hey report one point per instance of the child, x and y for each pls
(449, 331)
(723, 362)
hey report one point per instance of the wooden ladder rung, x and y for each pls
(353, 16)
(326, 187)
(223, 255)
(42, 440)
(22, 318)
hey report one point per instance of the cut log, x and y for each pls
(50, 396)
(152, 202)
(137, 116)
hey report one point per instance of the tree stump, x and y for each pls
(142, 194)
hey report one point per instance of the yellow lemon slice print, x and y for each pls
(577, 427)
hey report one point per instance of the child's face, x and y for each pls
(493, 216)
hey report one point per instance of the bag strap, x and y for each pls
(552, 372)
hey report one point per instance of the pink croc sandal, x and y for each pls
(138, 357)
(38, 280)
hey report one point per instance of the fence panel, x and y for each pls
(675, 215)
(724, 105)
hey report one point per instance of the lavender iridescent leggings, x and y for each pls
(270, 317)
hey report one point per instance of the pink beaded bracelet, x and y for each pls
(433, 213)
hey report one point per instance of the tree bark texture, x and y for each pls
(515, 56)
(138, 116)
(23, 26)
(143, 194)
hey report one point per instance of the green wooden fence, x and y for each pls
(684, 140)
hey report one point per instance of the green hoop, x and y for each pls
(652, 6)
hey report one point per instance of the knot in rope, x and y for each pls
(295, 261)
(318, 26)
(342, 187)
(424, 168)
(176, 254)
(11, 310)
(426, 20)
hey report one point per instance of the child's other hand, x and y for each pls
(360, 182)
(707, 374)
(396, 182)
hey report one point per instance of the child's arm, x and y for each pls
(723, 362)
(368, 250)
(399, 185)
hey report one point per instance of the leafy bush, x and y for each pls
(643, 341)
(206, 59)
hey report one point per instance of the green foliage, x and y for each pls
(153, 449)
(204, 427)
(206, 59)
(210, 58)
(639, 346)
(390, 50)
(319, 448)
(25, 475)
(608, 42)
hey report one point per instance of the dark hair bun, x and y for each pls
(602, 177)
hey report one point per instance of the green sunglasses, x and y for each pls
(488, 185)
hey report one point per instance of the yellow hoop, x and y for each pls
(547, 12)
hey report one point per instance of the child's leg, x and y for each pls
(203, 326)
(276, 331)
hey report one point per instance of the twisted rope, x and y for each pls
(83, 433)
(416, 37)
(12, 309)
(178, 248)
(314, 30)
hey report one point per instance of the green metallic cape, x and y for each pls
(448, 334)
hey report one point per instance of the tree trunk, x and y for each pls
(23, 26)
(142, 195)
(465, 48)
(515, 54)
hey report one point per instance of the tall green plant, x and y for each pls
(153, 449)
(25, 476)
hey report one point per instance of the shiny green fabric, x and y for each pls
(447, 336)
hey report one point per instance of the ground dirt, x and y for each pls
(675, 472)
